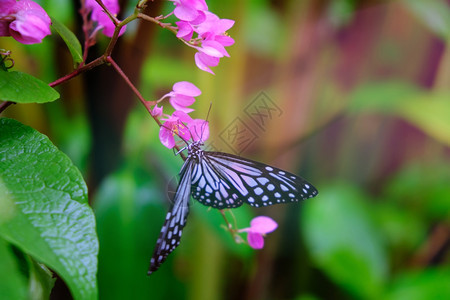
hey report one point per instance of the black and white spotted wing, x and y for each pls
(223, 180)
(170, 235)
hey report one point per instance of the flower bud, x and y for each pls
(24, 20)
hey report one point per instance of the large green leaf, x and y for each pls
(70, 39)
(344, 241)
(47, 213)
(23, 88)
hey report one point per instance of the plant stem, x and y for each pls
(4, 105)
(165, 26)
(229, 226)
(146, 103)
(95, 63)
(110, 15)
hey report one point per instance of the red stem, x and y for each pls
(110, 15)
(4, 105)
(95, 63)
(146, 103)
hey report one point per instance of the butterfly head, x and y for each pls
(195, 148)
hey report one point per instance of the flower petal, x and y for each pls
(224, 40)
(263, 225)
(181, 102)
(199, 130)
(182, 116)
(185, 13)
(213, 48)
(166, 136)
(182, 108)
(186, 88)
(204, 61)
(157, 111)
(185, 30)
(31, 22)
(101, 17)
(200, 18)
(255, 240)
(7, 7)
(197, 4)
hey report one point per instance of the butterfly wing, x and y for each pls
(211, 187)
(170, 235)
(230, 180)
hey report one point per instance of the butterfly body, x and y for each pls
(223, 180)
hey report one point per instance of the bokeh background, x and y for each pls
(352, 95)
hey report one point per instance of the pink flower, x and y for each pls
(259, 227)
(183, 95)
(204, 61)
(174, 125)
(185, 30)
(182, 125)
(213, 27)
(98, 15)
(209, 55)
(211, 31)
(24, 20)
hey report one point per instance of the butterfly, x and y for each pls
(223, 180)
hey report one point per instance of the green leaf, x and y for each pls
(381, 97)
(426, 196)
(23, 88)
(421, 285)
(429, 111)
(344, 240)
(70, 39)
(48, 215)
(435, 14)
(13, 283)
(401, 228)
(41, 281)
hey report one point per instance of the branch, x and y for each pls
(95, 63)
(4, 105)
(167, 26)
(110, 15)
(146, 103)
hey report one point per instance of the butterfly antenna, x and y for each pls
(204, 124)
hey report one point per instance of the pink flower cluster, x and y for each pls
(24, 20)
(180, 123)
(99, 15)
(210, 29)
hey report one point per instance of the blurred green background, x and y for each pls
(359, 104)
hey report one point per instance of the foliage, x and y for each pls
(45, 210)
